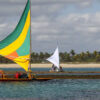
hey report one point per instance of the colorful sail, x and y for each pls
(16, 46)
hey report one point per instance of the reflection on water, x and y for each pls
(66, 89)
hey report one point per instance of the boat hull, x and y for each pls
(14, 79)
(44, 76)
(66, 75)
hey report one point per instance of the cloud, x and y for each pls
(72, 31)
(3, 25)
(55, 20)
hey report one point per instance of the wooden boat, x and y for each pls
(44, 76)
(17, 47)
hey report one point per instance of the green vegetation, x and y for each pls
(83, 57)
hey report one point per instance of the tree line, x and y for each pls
(65, 57)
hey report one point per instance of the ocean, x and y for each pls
(57, 89)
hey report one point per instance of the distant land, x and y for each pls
(89, 65)
(65, 57)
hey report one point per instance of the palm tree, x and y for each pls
(82, 56)
(88, 54)
(95, 53)
(68, 58)
(72, 52)
(98, 58)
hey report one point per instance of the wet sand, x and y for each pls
(94, 65)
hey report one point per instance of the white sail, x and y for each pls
(55, 58)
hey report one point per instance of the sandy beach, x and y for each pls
(49, 65)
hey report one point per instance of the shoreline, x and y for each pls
(90, 65)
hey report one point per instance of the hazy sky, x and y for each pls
(75, 24)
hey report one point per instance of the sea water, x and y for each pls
(57, 89)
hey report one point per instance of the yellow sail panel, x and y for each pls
(23, 61)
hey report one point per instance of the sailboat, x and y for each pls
(17, 45)
(54, 59)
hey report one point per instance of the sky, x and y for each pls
(72, 24)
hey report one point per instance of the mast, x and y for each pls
(29, 69)
(30, 37)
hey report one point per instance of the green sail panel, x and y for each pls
(25, 48)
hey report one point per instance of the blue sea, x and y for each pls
(57, 89)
